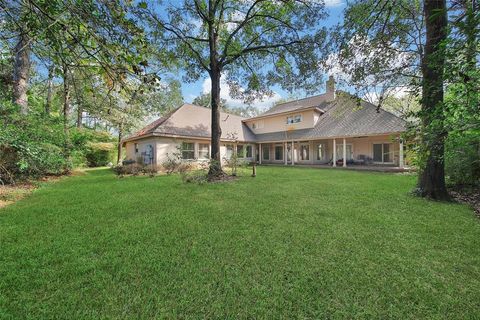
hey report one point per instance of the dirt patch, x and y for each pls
(470, 196)
(12, 193)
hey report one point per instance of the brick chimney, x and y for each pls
(331, 86)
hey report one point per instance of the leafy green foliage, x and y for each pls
(34, 145)
(204, 100)
(99, 154)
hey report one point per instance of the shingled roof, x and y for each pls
(315, 101)
(195, 121)
(346, 116)
(342, 116)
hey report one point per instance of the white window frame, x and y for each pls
(265, 147)
(247, 146)
(391, 152)
(242, 154)
(227, 146)
(182, 150)
(340, 156)
(135, 148)
(324, 150)
(297, 118)
(201, 152)
(281, 153)
(302, 144)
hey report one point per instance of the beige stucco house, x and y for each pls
(323, 129)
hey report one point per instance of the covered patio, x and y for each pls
(373, 153)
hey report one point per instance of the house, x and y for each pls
(323, 129)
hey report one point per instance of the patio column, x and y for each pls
(334, 152)
(293, 152)
(285, 153)
(400, 154)
(344, 152)
(260, 154)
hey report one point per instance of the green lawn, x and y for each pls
(291, 243)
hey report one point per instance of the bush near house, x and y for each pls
(99, 154)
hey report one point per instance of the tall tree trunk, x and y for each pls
(119, 147)
(21, 71)
(48, 105)
(66, 113)
(66, 98)
(216, 164)
(79, 116)
(431, 182)
(215, 169)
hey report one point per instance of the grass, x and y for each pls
(290, 243)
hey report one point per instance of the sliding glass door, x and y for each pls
(382, 152)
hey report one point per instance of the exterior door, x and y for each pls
(340, 151)
(382, 153)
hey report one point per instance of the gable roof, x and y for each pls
(295, 105)
(195, 121)
(345, 116)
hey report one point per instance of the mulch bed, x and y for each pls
(470, 196)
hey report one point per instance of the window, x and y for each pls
(294, 119)
(257, 124)
(240, 151)
(278, 152)
(249, 152)
(340, 151)
(304, 152)
(136, 147)
(381, 152)
(321, 152)
(229, 152)
(188, 150)
(203, 151)
(266, 152)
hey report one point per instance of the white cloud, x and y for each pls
(334, 3)
(396, 92)
(225, 94)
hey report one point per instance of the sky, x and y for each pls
(192, 90)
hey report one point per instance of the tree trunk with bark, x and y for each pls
(48, 105)
(79, 117)
(21, 72)
(66, 98)
(431, 181)
(119, 146)
(66, 112)
(216, 164)
(215, 170)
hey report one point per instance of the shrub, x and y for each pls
(78, 159)
(135, 169)
(462, 159)
(150, 170)
(99, 153)
(172, 162)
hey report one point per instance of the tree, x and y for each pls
(204, 100)
(431, 182)
(389, 44)
(254, 42)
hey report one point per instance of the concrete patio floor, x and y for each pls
(375, 168)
